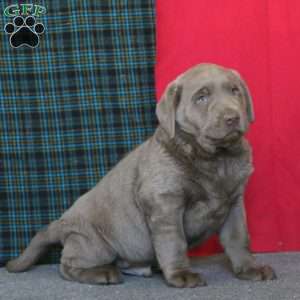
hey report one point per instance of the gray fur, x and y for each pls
(182, 185)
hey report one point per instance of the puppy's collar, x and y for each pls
(182, 146)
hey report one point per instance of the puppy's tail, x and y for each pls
(37, 247)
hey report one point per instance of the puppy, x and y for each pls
(179, 187)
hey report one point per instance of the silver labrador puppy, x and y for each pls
(182, 185)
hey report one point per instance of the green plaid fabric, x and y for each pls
(70, 108)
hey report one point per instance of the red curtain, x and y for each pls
(261, 39)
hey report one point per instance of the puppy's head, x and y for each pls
(209, 102)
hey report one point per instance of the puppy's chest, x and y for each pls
(211, 190)
(219, 178)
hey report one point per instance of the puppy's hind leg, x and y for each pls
(86, 261)
(108, 274)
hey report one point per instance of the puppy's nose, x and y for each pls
(232, 119)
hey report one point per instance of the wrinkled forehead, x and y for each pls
(206, 76)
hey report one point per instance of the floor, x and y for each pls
(44, 282)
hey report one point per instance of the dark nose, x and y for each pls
(232, 119)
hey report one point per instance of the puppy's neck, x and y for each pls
(182, 146)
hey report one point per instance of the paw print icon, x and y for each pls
(24, 32)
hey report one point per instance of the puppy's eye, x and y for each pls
(202, 98)
(235, 90)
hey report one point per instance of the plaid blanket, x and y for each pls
(70, 108)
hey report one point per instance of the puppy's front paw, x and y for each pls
(257, 273)
(185, 279)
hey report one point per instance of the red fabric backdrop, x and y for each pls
(261, 39)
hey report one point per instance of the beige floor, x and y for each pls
(44, 282)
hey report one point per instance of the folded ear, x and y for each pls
(166, 107)
(247, 95)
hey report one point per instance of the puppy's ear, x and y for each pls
(166, 107)
(247, 95)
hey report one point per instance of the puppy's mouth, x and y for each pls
(229, 138)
